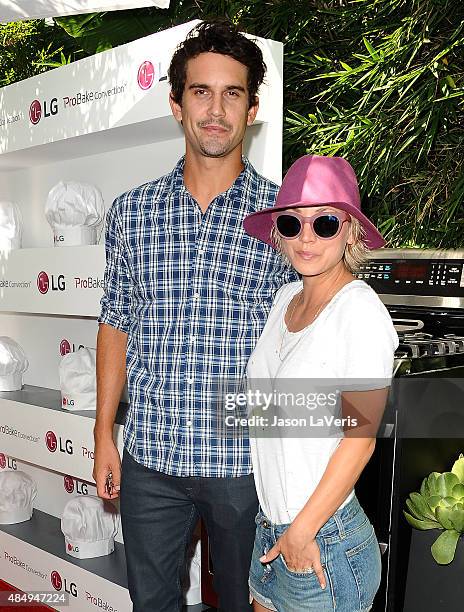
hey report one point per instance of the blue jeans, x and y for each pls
(350, 557)
(158, 515)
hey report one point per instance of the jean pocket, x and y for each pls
(365, 563)
(304, 574)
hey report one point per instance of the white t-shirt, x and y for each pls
(352, 338)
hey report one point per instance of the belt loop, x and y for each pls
(340, 526)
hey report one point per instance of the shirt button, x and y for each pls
(189, 423)
(200, 251)
(196, 296)
(192, 338)
(190, 381)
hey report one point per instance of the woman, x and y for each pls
(315, 549)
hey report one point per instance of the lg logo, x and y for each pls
(68, 347)
(7, 462)
(49, 108)
(65, 347)
(67, 402)
(53, 443)
(35, 112)
(81, 487)
(146, 75)
(43, 282)
(59, 583)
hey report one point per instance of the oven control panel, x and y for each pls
(444, 277)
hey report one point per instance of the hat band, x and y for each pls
(18, 515)
(87, 550)
(78, 401)
(11, 382)
(74, 236)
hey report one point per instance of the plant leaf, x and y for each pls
(422, 525)
(446, 482)
(458, 491)
(424, 511)
(444, 547)
(458, 468)
(444, 517)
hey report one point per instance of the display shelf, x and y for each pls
(44, 532)
(103, 120)
(86, 581)
(35, 428)
(39, 563)
(55, 280)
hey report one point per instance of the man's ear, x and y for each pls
(252, 111)
(176, 108)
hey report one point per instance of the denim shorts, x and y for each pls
(350, 557)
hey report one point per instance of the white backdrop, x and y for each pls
(14, 10)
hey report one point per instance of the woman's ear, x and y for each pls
(351, 237)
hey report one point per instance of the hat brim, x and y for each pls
(259, 224)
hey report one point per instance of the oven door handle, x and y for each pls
(404, 325)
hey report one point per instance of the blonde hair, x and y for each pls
(355, 254)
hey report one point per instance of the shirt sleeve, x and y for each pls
(116, 300)
(368, 341)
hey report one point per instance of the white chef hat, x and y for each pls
(11, 226)
(89, 525)
(78, 382)
(13, 364)
(74, 211)
(17, 493)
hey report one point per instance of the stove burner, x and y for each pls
(421, 344)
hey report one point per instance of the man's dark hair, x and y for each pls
(218, 36)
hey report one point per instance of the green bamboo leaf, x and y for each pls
(444, 547)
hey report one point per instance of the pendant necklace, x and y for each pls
(286, 331)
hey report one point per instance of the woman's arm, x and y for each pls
(298, 544)
(348, 460)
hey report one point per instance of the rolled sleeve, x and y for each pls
(116, 300)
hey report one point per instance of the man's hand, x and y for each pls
(106, 461)
(299, 551)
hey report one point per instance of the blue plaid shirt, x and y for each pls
(193, 292)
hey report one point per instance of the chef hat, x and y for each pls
(89, 525)
(11, 226)
(74, 210)
(78, 380)
(13, 364)
(17, 492)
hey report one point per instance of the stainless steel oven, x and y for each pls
(423, 428)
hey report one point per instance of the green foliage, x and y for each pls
(28, 48)
(440, 505)
(379, 82)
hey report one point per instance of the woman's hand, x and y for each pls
(300, 551)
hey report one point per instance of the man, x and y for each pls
(187, 295)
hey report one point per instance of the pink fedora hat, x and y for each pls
(315, 180)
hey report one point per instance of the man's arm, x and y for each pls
(111, 376)
(111, 351)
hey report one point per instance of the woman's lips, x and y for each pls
(305, 255)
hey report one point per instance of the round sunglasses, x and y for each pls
(325, 225)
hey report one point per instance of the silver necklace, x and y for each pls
(286, 331)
